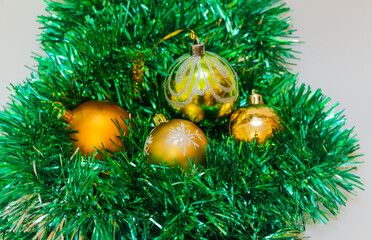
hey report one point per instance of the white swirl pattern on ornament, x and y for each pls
(183, 70)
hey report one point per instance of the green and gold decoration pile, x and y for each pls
(224, 165)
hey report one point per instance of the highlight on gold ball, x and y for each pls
(257, 122)
(176, 142)
(96, 125)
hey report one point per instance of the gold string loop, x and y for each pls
(191, 33)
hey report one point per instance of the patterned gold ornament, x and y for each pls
(94, 125)
(255, 122)
(176, 142)
(202, 86)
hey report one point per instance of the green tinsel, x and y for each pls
(245, 191)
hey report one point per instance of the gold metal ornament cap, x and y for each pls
(67, 116)
(159, 118)
(255, 98)
(198, 48)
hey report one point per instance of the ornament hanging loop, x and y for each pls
(191, 35)
(196, 41)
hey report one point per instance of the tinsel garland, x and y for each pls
(245, 192)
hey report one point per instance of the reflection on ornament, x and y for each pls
(94, 126)
(194, 112)
(204, 80)
(175, 143)
(256, 122)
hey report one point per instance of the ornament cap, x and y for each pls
(255, 98)
(159, 118)
(67, 116)
(198, 48)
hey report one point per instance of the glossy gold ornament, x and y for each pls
(255, 122)
(176, 142)
(95, 125)
(202, 86)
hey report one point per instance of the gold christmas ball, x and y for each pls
(202, 87)
(176, 142)
(94, 126)
(256, 122)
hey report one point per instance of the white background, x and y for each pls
(336, 57)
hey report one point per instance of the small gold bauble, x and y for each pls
(94, 125)
(176, 142)
(256, 122)
(203, 87)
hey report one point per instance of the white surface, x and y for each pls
(336, 57)
(18, 40)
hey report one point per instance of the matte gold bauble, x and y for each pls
(203, 87)
(94, 126)
(176, 142)
(255, 122)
